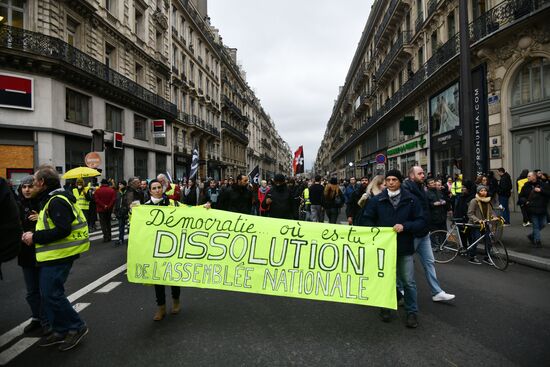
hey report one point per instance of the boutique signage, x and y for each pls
(410, 146)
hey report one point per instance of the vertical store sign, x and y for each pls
(480, 133)
(117, 140)
(16, 92)
(159, 128)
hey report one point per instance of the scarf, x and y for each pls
(393, 194)
(155, 200)
(485, 207)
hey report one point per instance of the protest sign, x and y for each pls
(196, 247)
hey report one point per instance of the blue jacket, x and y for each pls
(421, 195)
(379, 212)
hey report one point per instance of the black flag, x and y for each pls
(254, 175)
(194, 163)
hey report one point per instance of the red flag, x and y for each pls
(298, 162)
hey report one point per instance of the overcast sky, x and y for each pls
(296, 53)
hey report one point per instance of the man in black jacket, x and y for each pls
(399, 209)
(68, 327)
(422, 243)
(352, 207)
(237, 198)
(504, 192)
(279, 201)
(10, 227)
(316, 198)
(535, 195)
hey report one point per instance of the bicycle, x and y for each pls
(446, 245)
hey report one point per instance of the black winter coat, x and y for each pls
(438, 213)
(420, 194)
(237, 199)
(282, 202)
(379, 212)
(461, 208)
(10, 226)
(505, 185)
(27, 255)
(536, 202)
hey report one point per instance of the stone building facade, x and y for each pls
(400, 103)
(99, 67)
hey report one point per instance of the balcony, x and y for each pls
(236, 133)
(432, 7)
(90, 71)
(396, 51)
(384, 23)
(232, 107)
(506, 14)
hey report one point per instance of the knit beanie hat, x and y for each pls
(482, 187)
(333, 181)
(395, 173)
(27, 180)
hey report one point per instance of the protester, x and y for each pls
(121, 212)
(306, 202)
(353, 209)
(422, 243)
(172, 191)
(192, 194)
(83, 196)
(534, 195)
(59, 222)
(480, 209)
(237, 198)
(105, 198)
(375, 187)
(437, 207)
(456, 189)
(156, 191)
(350, 189)
(10, 242)
(263, 190)
(521, 180)
(28, 211)
(279, 200)
(504, 192)
(143, 189)
(399, 209)
(461, 211)
(333, 199)
(212, 194)
(316, 192)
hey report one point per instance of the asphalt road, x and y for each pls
(497, 319)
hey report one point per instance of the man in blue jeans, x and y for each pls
(535, 195)
(398, 209)
(504, 193)
(422, 243)
(61, 235)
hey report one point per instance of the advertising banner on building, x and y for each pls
(196, 247)
(481, 125)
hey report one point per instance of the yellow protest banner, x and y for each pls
(196, 247)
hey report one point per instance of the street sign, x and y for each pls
(92, 160)
(159, 128)
(117, 140)
(380, 159)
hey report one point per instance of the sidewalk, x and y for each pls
(519, 248)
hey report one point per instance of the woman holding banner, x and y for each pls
(158, 198)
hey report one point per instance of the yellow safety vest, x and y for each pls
(75, 243)
(171, 191)
(306, 196)
(521, 183)
(81, 200)
(456, 188)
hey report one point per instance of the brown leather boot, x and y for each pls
(175, 306)
(161, 312)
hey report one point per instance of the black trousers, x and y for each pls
(105, 221)
(161, 294)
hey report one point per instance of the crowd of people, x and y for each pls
(54, 223)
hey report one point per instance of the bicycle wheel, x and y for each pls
(445, 247)
(498, 255)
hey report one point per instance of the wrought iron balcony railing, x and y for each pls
(38, 44)
(236, 133)
(402, 39)
(385, 20)
(502, 15)
(419, 21)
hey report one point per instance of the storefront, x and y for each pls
(16, 154)
(407, 154)
(180, 166)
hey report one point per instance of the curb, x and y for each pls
(529, 260)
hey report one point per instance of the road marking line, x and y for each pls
(16, 349)
(109, 287)
(80, 306)
(18, 330)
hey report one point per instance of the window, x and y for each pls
(110, 5)
(72, 32)
(420, 57)
(160, 141)
(160, 87)
(140, 127)
(77, 107)
(451, 26)
(139, 73)
(11, 12)
(532, 84)
(160, 163)
(113, 117)
(139, 23)
(110, 59)
(159, 38)
(434, 42)
(175, 57)
(140, 163)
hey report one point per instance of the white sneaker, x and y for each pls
(442, 296)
